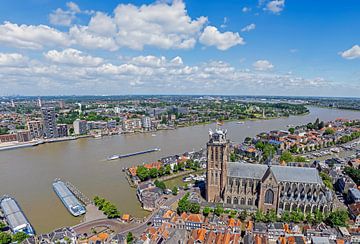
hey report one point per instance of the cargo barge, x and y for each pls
(113, 157)
(69, 200)
(15, 217)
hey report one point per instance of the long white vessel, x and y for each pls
(68, 199)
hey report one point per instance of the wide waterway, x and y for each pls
(27, 173)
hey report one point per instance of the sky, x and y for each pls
(232, 47)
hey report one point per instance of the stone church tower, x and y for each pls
(216, 171)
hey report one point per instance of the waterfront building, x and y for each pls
(80, 127)
(243, 185)
(132, 125)
(49, 118)
(111, 124)
(8, 138)
(36, 129)
(146, 123)
(62, 130)
(23, 135)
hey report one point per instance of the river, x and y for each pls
(27, 173)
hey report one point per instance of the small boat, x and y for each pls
(240, 122)
(98, 136)
(113, 157)
(153, 134)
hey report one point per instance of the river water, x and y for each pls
(27, 173)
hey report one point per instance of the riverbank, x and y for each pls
(27, 174)
(16, 145)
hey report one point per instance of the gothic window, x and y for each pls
(236, 201)
(249, 201)
(242, 202)
(228, 200)
(269, 197)
(243, 182)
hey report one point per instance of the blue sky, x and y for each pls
(266, 47)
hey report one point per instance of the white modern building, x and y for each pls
(80, 127)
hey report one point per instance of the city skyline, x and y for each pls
(267, 47)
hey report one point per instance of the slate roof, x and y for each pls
(281, 173)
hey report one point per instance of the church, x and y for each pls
(241, 185)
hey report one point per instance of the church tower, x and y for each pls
(216, 171)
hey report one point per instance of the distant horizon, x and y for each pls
(184, 95)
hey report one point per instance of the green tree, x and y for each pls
(310, 218)
(297, 216)
(243, 215)
(329, 131)
(338, 218)
(2, 226)
(153, 172)
(259, 216)
(292, 130)
(286, 156)
(168, 169)
(142, 173)
(108, 208)
(326, 180)
(19, 237)
(129, 237)
(5, 238)
(232, 157)
(175, 190)
(271, 216)
(184, 204)
(318, 216)
(176, 168)
(219, 210)
(285, 216)
(160, 184)
(206, 211)
(194, 208)
(299, 159)
(161, 171)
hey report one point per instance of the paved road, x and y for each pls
(122, 228)
(141, 227)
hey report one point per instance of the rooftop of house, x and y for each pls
(355, 208)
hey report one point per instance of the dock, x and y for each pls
(82, 197)
(118, 156)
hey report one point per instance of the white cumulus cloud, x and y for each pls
(245, 9)
(72, 57)
(13, 59)
(221, 40)
(248, 28)
(263, 65)
(351, 53)
(31, 36)
(64, 17)
(162, 25)
(275, 6)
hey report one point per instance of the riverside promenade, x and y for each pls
(119, 227)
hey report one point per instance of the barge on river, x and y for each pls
(15, 217)
(68, 198)
(113, 157)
